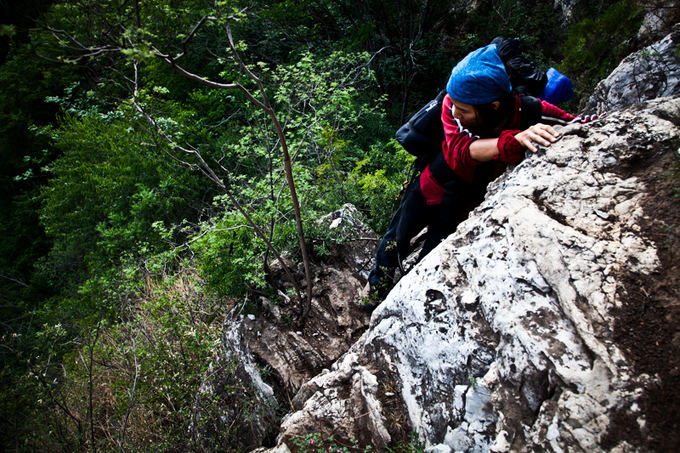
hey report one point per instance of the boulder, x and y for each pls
(646, 74)
(547, 322)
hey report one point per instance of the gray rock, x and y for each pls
(354, 243)
(503, 338)
(297, 353)
(234, 407)
(659, 18)
(567, 9)
(291, 354)
(647, 74)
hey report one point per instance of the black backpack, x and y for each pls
(526, 78)
(423, 134)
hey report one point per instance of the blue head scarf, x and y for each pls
(479, 78)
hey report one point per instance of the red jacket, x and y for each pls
(455, 166)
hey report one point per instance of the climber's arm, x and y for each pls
(542, 134)
(510, 145)
(484, 149)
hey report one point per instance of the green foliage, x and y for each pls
(107, 191)
(133, 382)
(330, 122)
(230, 256)
(25, 158)
(375, 183)
(595, 46)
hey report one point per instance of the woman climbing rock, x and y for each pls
(487, 126)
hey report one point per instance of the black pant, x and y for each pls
(411, 217)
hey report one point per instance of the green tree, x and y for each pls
(135, 41)
(596, 45)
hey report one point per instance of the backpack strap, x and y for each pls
(531, 110)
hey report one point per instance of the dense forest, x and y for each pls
(158, 156)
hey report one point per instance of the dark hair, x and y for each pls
(494, 119)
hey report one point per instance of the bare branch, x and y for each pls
(239, 61)
(18, 282)
(210, 231)
(287, 165)
(132, 397)
(202, 80)
(203, 167)
(60, 404)
(208, 172)
(90, 386)
(209, 83)
(57, 33)
(191, 35)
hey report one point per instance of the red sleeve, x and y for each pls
(509, 149)
(457, 141)
(554, 114)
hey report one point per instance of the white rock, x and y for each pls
(501, 339)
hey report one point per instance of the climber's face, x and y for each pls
(466, 114)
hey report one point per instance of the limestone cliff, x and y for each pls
(547, 322)
(511, 335)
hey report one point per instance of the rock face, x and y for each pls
(518, 333)
(233, 388)
(660, 15)
(297, 353)
(647, 74)
(272, 341)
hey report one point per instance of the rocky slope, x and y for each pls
(519, 331)
(651, 72)
(547, 322)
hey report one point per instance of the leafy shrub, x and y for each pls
(375, 182)
(595, 46)
(229, 255)
(130, 385)
(107, 191)
(331, 124)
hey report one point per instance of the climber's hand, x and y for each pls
(538, 134)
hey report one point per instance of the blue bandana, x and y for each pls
(479, 78)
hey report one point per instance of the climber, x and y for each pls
(486, 127)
